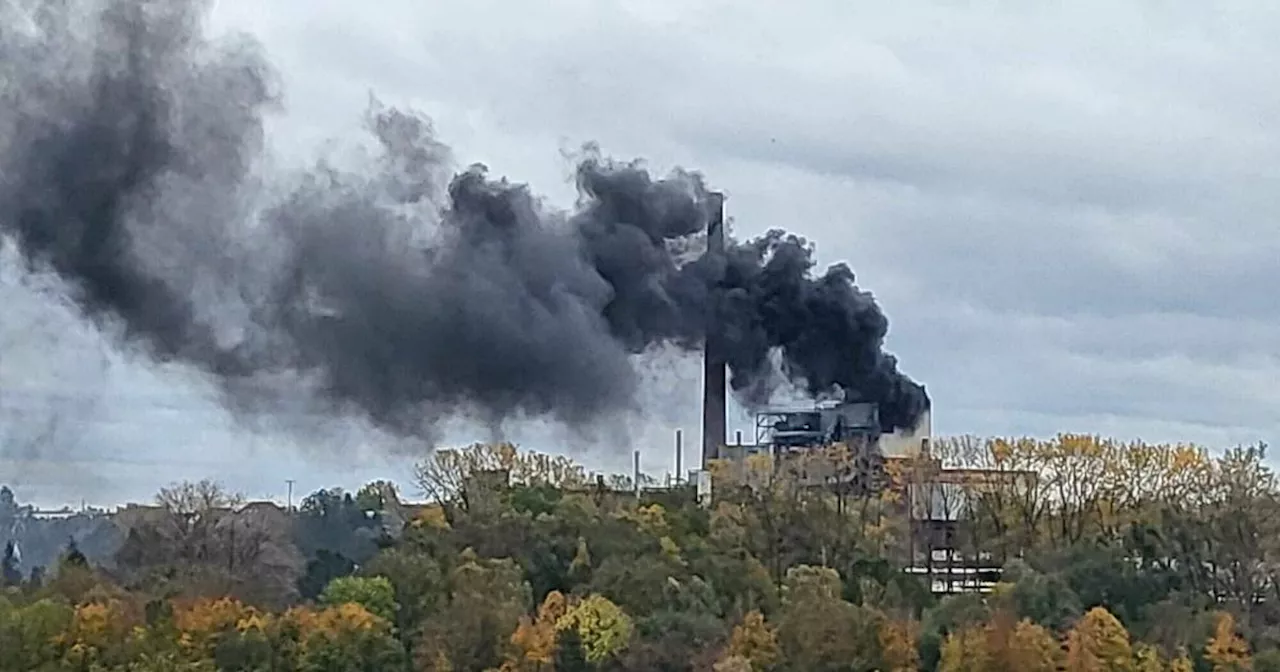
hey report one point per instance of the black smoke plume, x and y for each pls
(404, 292)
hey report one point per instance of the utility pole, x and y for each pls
(290, 506)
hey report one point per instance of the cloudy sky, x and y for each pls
(1066, 213)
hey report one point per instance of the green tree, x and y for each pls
(473, 629)
(1267, 661)
(417, 580)
(374, 593)
(569, 656)
(10, 574)
(29, 635)
(818, 630)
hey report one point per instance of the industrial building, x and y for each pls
(854, 458)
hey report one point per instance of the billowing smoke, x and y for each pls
(405, 292)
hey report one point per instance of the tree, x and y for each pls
(333, 528)
(754, 641)
(343, 638)
(1000, 645)
(569, 655)
(1047, 599)
(900, 646)
(419, 585)
(200, 539)
(74, 579)
(376, 497)
(604, 629)
(1099, 643)
(1146, 658)
(322, 568)
(374, 593)
(1226, 650)
(73, 557)
(965, 650)
(473, 629)
(1030, 648)
(1267, 661)
(206, 623)
(30, 634)
(535, 639)
(820, 631)
(444, 474)
(10, 573)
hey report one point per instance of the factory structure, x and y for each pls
(840, 445)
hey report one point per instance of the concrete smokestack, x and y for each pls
(713, 377)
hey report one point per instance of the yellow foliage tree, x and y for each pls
(1181, 662)
(604, 627)
(201, 621)
(343, 636)
(1146, 658)
(431, 516)
(1000, 645)
(535, 638)
(898, 645)
(754, 642)
(96, 628)
(1031, 648)
(1071, 488)
(1226, 650)
(333, 621)
(733, 664)
(1099, 643)
(965, 651)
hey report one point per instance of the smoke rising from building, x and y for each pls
(406, 293)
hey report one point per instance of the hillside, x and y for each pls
(1114, 556)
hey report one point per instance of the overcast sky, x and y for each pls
(1067, 214)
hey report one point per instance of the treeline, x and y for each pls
(1117, 556)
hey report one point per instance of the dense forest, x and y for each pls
(1114, 556)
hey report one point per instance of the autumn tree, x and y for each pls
(1099, 643)
(604, 629)
(899, 645)
(1226, 650)
(444, 474)
(535, 638)
(1001, 645)
(755, 642)
(206, 624)
(341, 638)
(965, 650)
(1147, 658)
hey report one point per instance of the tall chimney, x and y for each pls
(679, 454)
(713, 376)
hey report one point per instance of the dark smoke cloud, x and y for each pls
(404, 292)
